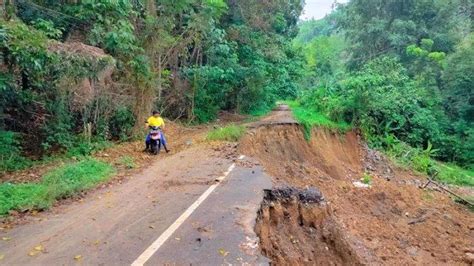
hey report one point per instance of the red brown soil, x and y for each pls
(393, 222)
(305, 233)
(76, 48)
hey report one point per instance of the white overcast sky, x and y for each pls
(318, 8)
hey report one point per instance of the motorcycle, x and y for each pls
(155, 140)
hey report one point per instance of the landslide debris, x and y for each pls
(296, 227)
(392, 222)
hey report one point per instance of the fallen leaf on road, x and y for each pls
(151, 226)
(2, 256)
(5, 238)
(177, 238)
(223, 252)
(97, 242)
(78, 257)
(36, 250)
(33, 253)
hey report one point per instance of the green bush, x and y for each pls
(227, 133)
(83, 147)
(48, 27)
(309, 118)
(35, 99)
(260, 111)
(422, 161)
(403, 153)
(61, 182)
(121, 123)
(10, 153)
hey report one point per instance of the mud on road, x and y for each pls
(392, 222)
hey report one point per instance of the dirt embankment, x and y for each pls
(392, 222)
(294, 229)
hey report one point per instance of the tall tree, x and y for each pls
(376, 27)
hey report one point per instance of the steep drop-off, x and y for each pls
(392, 222)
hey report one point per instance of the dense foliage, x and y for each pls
(401, 71)
(36, 86)
(188, 58)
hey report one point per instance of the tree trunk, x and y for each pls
(2, 9)
(159, 70)
(142, 108)
(151, 8)
(7, 9)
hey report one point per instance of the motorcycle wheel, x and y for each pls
(155, 147)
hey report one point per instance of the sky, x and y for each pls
(318, 8)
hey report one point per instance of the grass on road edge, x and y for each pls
(310, 118)
(228, 133)
(62, 182)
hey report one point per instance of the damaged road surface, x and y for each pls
(288, 201)
(114, 226)
(389, 221)
(296, 227)
(220, 231)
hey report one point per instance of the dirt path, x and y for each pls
(280, 116)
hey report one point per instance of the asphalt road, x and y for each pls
(116, 225)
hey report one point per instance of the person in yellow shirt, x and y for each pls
(155, 121)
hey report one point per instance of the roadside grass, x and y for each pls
(421, 161)
(453, 174)
(310, 118)
(12, 159)
(228, 133)
(127, 161)
(62, 182)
